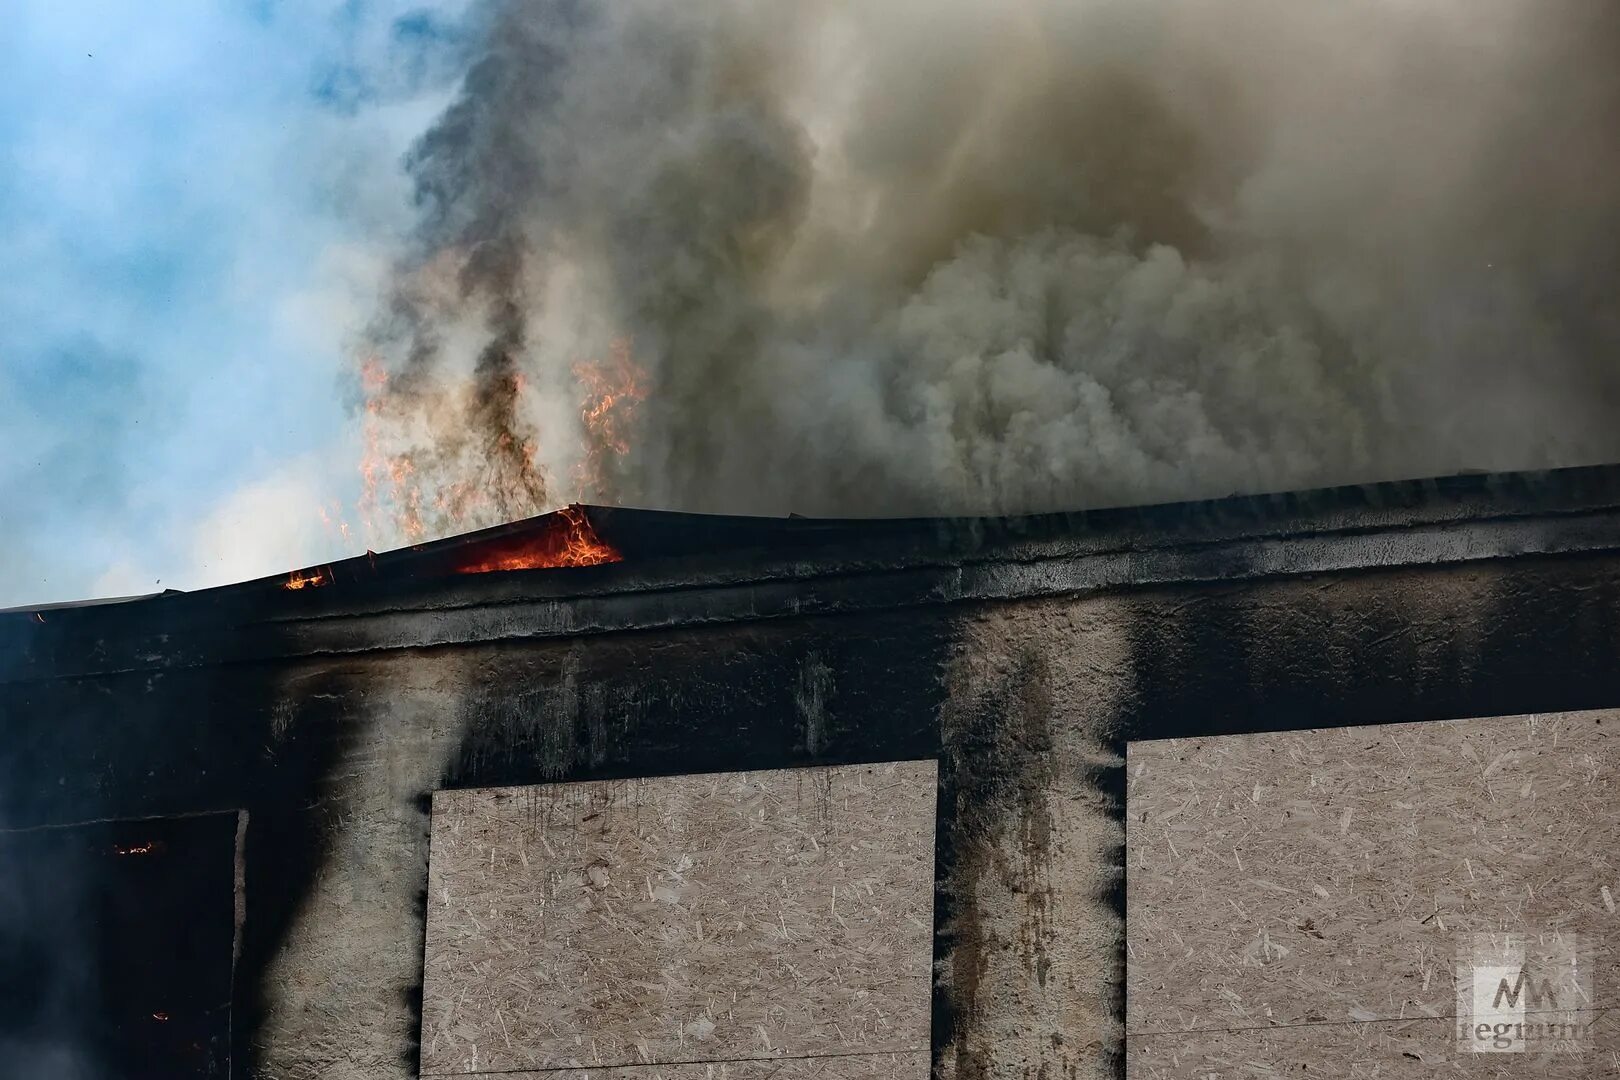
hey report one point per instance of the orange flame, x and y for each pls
(307, 579)
(334, 521)
(373, 377)
(613, 392)
(567, 540)
(405, 495)
(375, 465)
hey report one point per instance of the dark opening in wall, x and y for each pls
(116, 949)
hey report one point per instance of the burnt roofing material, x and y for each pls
(682, 568)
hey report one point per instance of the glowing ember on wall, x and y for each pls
(565, 538)
(150, 847)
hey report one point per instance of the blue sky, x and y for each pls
(197, 201)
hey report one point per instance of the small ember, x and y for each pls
(148, 848)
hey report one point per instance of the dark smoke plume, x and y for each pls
(913, 257)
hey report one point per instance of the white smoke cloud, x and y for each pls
(911, 257)
(906, 257)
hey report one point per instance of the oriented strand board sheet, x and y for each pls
(1324, 881)
(852, 1067)
(683, 920)
(1399, 1050)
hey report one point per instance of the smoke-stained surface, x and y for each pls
(846, 258)
(116, 950)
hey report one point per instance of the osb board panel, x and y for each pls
(710, 918)
(1402, 1050)
(908, 1066)
(1329, 876)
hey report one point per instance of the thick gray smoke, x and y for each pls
(925, 257)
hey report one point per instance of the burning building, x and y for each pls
(1200, 789)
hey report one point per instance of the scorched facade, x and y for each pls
(1183, 791)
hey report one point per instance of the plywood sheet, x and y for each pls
(737, 916)
(1327, 877)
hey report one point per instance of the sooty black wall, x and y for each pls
(1027, 697)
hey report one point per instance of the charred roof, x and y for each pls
(662, 568)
